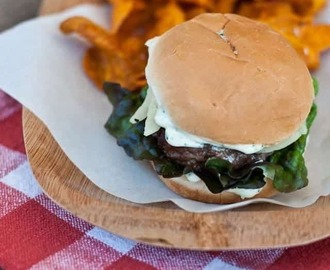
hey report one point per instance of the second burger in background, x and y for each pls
(226, 113)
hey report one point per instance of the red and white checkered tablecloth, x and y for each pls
(35, 233)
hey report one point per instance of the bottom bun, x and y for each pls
(198, 191)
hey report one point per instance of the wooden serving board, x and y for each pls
(164, 224)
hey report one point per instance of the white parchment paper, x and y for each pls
(41, 68)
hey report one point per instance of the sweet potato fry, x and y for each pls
(93, 33)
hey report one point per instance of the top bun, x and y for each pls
(230, 79)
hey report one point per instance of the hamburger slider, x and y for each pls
(226, 113)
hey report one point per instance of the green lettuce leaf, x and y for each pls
(130, 136)
(291, 171)
(286, 167)
(219, 175)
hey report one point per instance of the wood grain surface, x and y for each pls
(164, 224)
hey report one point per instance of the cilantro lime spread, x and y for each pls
(157, 117)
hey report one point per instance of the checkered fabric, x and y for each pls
(35, 233)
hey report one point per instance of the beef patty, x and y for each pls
(195, 158)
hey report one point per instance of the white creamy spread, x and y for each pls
(192, 177)
(245, 193)
(156, 117)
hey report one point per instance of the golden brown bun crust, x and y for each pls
(246, 87)
(199, 192)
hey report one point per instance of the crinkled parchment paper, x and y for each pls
(41, 68)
